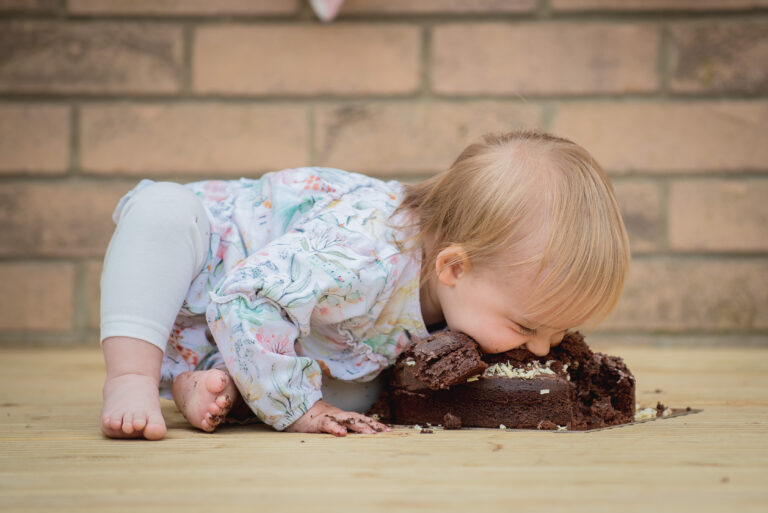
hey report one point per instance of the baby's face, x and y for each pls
(490, 310)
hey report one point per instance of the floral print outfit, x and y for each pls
(308, 274)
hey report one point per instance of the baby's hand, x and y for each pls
(323, 417)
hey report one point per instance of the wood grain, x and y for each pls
(53, 456)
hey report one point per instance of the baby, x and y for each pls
(259, 293)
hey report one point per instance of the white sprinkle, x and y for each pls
(417, 427)
(529, 371)
(645, 413)
(502, 426)
(473, 378)
(562, 428)
(410, 362)
(544, 391)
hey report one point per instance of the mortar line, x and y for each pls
(74, 140)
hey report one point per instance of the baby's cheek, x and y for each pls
(499, 344)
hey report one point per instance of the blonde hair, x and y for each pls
(509, 189)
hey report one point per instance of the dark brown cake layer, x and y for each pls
(489, 402)
(585, 390)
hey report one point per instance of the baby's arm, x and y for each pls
(265, 304)
(256, 339)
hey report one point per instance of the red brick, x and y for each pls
(680, 137)
(286, 59)
(210, 138)
(719, 56)
(718, 215)
(530, 59)
(436, 6)
(38, 296)
(640, 208)
(104, 57)
(654, 5)
(409, 137)
(184, 7)
(34, 138)
(59, 220)
(37, 6)
(669, 294)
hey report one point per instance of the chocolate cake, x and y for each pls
(447, 380)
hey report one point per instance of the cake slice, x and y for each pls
(444, 360)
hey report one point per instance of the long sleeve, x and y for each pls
(256, 339)
(327, 287)
(264, 305)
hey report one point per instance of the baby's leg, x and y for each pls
(160, 245)
(131, 405)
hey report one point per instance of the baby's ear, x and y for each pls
(451, 264)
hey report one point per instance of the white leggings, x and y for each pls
(160, 244)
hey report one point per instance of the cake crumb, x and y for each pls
(547, 424)
(426, 431)
(645, 414)
(451, 421)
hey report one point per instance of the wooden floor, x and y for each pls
(54, 458)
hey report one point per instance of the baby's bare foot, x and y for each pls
(204, 397)
(131, 408)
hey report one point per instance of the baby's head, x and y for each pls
(522, 240)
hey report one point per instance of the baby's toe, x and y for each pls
(215, 411)
(216, 381)
(207, 423)
(111, 426)
(128, 424)
(113, 422)
(139, 422)
(155, 428)
(224, 401)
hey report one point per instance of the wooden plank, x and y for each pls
(52, 455)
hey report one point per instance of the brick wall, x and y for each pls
(670, 95)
